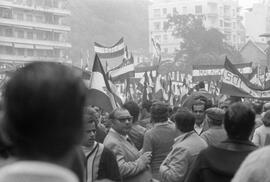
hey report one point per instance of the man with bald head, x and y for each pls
(132, 165)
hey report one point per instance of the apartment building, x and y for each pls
(257, 21)
(34, 30)
(220, 14)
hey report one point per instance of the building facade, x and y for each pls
(258, 15)
(34, 30)
(220, 14)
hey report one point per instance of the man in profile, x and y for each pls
(43, 120)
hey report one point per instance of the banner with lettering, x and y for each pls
(214, 72)
(235, 84)
(114, 51)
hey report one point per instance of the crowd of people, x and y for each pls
(49, 134)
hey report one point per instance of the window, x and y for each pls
(226, 24)
(157, 25)
(39, 35)
(8, 32)
(234, 25)
(20, 34)
(234, 38)
(21, 52)
(9, 50)
(184, 8)
(233, 12)
(30, 35)
(20, 16)
(40, 53)
(29, 17)
(156, 12)
(221, 23)
(5, 13)
(165, 37)
(1, 31)
(39, 19)
(175, 11)
(164, 11)
(30, 52)
(29, 2)
(198, 9)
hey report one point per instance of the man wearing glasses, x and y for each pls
(132, 165)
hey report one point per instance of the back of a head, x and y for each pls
(147, 105)
(266, 106)
(133, 109)
(184, 120)
(43, 105)
(266, 118)
(239, 121)
(159, 112)
(201, 85)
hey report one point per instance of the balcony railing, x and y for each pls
(62, 12)
(16, 58)
(53, 44)
(25, 24)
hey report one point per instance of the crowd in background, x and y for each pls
(49, 134)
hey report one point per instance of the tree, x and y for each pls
(199, 45)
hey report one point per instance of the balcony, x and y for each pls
(8, 58)
(34, 25)
(56, 11)
(54, 44)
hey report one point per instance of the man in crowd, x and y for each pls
(178, 163)
(132, 165)
(198, 109)
(160, 138)
(261, 136)
(216, 133)
(43, 107)
(255, 167)
(100, 162)
(219, 163)
(145, 116)
(136, 133)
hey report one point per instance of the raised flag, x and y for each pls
(235, 84)
(100, 93)
(124, 70)
(114, 51)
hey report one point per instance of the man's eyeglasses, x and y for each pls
(123, 119)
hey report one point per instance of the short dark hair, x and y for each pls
(133, 109)
(239, 121)
(201, 84)
(147, 105)
(184, 120)
(198, 103)
(159, 112)
(43, 105)
(90, 116)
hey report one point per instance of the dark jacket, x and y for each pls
(219, 163)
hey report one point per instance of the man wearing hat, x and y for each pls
(216, 133)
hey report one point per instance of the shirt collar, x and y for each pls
(122, 136)
(161, 124)
(183, 136)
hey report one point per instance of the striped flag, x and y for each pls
(235, 84)
(114, 51)
(100, 93)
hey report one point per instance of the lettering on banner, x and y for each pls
(233, 79)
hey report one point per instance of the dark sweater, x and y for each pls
(219, 163)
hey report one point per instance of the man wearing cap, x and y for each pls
(220, 162)
(216, 133)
